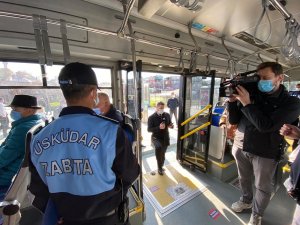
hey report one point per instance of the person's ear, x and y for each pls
(280, 78)
(93, 93)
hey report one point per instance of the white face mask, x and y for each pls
(160, 111)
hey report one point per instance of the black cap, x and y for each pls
(77, 73)
(25, 101)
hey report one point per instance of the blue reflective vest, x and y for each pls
(78, 150)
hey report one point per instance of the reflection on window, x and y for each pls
(20, 74)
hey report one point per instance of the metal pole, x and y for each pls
(256, 52)
(137, 93)
(44, 75)
(125, 21)
(227, 50)
(281, 9)
(105, 32)
(112, 33)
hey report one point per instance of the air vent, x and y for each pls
(244, 36)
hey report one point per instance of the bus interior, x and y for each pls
(142, 51)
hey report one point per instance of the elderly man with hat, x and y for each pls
(82, 163)
(12, 150)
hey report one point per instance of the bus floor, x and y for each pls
(219, 196)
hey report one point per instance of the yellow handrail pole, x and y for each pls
(195, 130)
(197, 114)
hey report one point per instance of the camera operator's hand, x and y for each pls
(290, 131)
(243, 95)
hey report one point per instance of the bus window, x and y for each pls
(52, 74)
(20, 74)
(103, 77)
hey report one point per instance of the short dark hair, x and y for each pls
(160, 103)
(275, 67)
(76, 92)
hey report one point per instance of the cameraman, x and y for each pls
(258, 146)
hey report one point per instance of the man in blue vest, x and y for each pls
(81, 161)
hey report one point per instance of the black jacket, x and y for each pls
(259, 122)
(114, 114)
(173, 103)
(153, 126)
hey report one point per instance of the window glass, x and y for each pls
(216, 91)
(291, 85)
(103, 75)
(52, 74)
(124, 90)
(51, 100)
(20, 74)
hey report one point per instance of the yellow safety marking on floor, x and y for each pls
(223, 165)
(174, 174)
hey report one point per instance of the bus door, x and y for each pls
(196, 100)
(130, 103)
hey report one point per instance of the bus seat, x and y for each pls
(14, 198)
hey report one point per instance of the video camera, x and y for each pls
(248, 80)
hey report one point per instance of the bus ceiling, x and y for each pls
(167, 32)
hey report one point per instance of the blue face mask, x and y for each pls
(15, 115)
(97, 111)
(265, 85)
